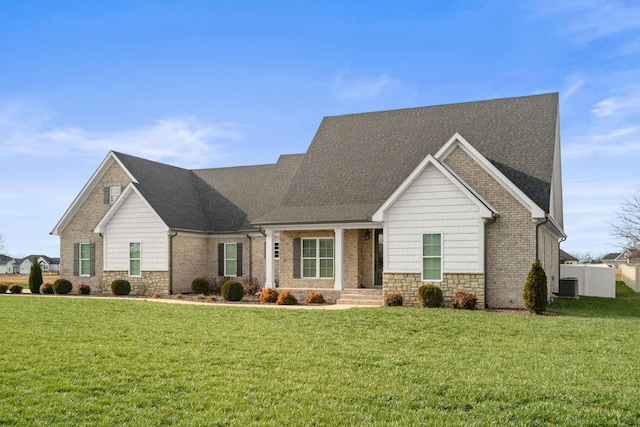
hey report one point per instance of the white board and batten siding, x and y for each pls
(433, 204)
(135, 222)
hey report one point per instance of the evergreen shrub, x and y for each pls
(35, 276)
(201, 285)
(121, 287)
(393, 300)
(62, 286)
(15, 289)
(232, 290)
(46, 289)
(3, 288)
(535, 289)
(464, 300)
(430, 296)
(84, 289)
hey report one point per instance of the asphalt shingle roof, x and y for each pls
(356, 161)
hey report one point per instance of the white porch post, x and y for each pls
(338, 258)
(270, 279)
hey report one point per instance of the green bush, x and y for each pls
(535, 289)
(232, 291)
(393, 300)
(62, 286)
(35, 276)
(268, 295)
(287, 298)
(46, 289)
(84, 289)
(121, 287)
(430, 296)
(464, 300)
(15, 289)
(201, 285)
(3, 288)
(314, 298)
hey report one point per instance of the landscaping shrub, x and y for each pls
(15, 289)
(232, 290)
(393, 300)
(3, 288)
(287, 298)
(251, 286)
(268, 295)
(46, 289)
(216, 284)
(35, 276)
(535, 289)
(84, 289)
(464, 300)
(62, 286)
(201, 285)
(121, 287)
(430, 296)
(314, 298)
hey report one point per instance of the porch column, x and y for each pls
(338, 261)
(270, 279)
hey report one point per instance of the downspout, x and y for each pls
(546, 219)
(562, 239)
(486, 264)
(172, 234)
(250, 257)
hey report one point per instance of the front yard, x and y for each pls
(89, 361)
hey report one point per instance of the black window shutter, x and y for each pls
(76, 259)
(105, 194)
(92, 258)
(239, 259)
(220, 259)
(296, 258)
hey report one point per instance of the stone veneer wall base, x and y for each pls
(407, 285)
(150, 282)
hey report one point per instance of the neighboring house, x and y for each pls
(47, 264)
(7, 265)
(567, 258)
(630, 256)
(614, 259)
(464, 196)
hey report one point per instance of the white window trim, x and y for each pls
(80, 259)
(423, 257)
(317, 257)
(228, 259)
(133, 259)
(114, 193)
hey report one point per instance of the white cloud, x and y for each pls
(615, 142)
(588, 20)
(619, 105)
(349, 88)
(179, 140)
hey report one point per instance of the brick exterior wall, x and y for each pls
(407, 285)
(150, 282)
(286, 280)
(365, 258)
(191, 258)
(80, 230)
(510, 245)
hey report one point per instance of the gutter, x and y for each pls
(250, 256)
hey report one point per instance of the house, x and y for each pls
(614, 259)
(630, 256)
(567, 258)
(464, 196)
(7, 265)
(47, 264)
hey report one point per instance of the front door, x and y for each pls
(378, 257)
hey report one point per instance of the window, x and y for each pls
(134, 259)
(276, 250)
(432, 257)
(85, 259)
(230, 260)
(317, 258)
(114, 193)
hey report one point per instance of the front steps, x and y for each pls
(371, 297)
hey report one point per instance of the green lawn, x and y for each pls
(91, 362)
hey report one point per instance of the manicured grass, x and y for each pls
(625, 304)
(98, 362)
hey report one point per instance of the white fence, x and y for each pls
(593, 280)
(631, 276)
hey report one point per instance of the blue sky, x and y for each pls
(225, 83)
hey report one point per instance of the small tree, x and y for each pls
(35, 276)
(535, 289)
